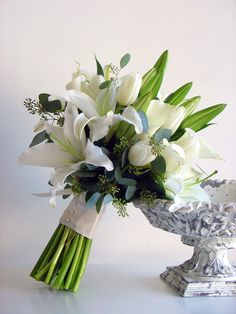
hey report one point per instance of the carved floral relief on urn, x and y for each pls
(210, 227)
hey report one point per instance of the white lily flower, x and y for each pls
(100, 113)
(69, 150)
(195, 147)
(183, 191)
(129, 88)
(140, 154)
(163, 115)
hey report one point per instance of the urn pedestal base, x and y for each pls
(208, 272)
(188, 287)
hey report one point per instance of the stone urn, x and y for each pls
(210, 227)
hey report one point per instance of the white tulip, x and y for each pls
(129, 89)
(162, 115)
(140, 154)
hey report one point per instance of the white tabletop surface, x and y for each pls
(105, 289)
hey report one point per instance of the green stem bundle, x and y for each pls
(63, 261)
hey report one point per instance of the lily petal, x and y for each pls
(46, 155)
(131, 116)
(206, 151)
(59, 175)
(95, 156)
(82, 101)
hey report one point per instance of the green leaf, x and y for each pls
(99, 67)
(200, 119)
(159, 165)
(91, 202)
(39, 138)
(84, 174)
(99, 203)
(127, 181)
(161, 134)
(152, 86)
(144, 120)
(49, 106)
(105, 84)
(125, 60)
(179, 95)
(190, 105)
(148, 76)
(130, 192)
(161, 63)
(124, 157)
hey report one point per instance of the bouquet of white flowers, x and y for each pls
(113, 139)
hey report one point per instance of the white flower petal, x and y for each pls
(106, 100)
(206, 151)
(99, 128)
(95, 156)
(82, 101)
(131, 116)
(59, 175)
(91, 88)
(79, 124)
(74, 84)
(46, 155)
(162, 115)
(71, 114)
(55, 132)
(39, 126)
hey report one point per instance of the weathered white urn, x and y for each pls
(211, 229)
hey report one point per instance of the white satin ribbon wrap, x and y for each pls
(79, 218)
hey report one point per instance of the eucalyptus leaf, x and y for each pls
(126, 181)
(107, 199)
(161, 134)
(49, 106)
(159, 165)
(130, 192)
(91, 202)
(105, 84)
(99, 203)
(99, 67)
(39, 138)
(144, 120)
(125, 60)
(124, 157)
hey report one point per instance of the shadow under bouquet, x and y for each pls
(113, 139)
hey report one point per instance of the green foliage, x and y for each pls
(105, 84)
(190, 105)
(49, 106)
(159, 165)
(99, 67)
(125, 60)
(179, 95)
(39, 138)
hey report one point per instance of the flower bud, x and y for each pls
(140, 154)
(162, 115)
(129, 89)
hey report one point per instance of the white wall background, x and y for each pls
(39, 42)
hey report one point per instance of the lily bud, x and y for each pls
(163, 115)
(129, 89)
(140, 154)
